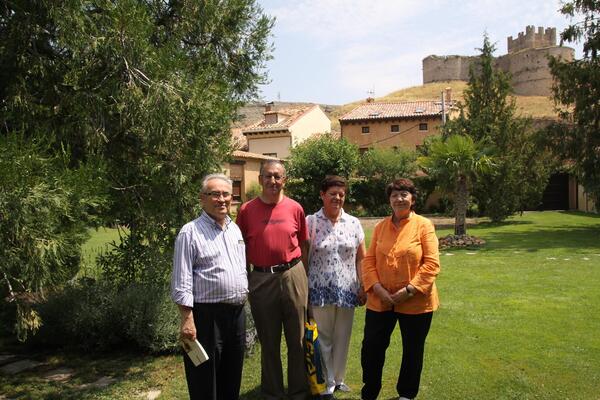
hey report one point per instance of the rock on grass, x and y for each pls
(460, 241)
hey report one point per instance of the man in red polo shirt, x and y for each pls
(274, 230)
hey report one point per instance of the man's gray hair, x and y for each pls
(266, 163)
(210, 177)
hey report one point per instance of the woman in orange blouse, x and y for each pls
(399, 274)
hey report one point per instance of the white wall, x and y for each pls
(261, 145)
(314, 121)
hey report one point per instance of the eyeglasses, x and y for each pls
(278, 178)
(216, 195)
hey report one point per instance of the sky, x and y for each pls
(338, 51)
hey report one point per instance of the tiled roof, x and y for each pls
(292, 113)
(370, 111)
(247, 154)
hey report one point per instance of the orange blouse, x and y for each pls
(399, 256)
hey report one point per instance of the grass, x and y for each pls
(518, 320)
(99, 242)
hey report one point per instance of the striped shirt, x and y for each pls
(209, 264)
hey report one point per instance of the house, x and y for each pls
(280, 129)
(564, 192)
(396, 125)
(243, 170)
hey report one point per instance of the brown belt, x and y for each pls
(277, 268)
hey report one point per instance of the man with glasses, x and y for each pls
(210, 286)
(274, 228)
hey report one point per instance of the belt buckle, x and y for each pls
(271, 268)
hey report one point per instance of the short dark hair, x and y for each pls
(331, 181)
(266, 163)
(402, 184)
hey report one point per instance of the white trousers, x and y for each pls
(334, 325)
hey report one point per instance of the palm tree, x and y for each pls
(454, 163)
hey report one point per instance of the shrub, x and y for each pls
(253, 191)
(94, 315)
(45, 210)
(136, 260)
(313, 159)
(378, 167)
(150, 318)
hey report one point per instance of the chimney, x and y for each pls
(448, 96)
(269, 106)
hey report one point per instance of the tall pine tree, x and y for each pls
(489, 117)
(147, 89)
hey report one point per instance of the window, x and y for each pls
(270, 154)
(395, 128)
(363, 150)
(237, 190)
(365, 129)
(423, 126)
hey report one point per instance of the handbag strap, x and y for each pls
(312, 221)
(313, 229)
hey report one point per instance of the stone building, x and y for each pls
(282, 128)
(394, 125)
(526, 61)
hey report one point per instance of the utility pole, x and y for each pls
(443, 110)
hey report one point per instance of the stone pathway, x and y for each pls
(153, 394)
(12, 364)
(59, 375)
(6, 358)
(102, 382)
(19, 366)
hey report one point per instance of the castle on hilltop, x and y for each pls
(526, 61)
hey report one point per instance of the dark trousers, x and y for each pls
(221, 330)
(378, 329)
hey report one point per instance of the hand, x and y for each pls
(362, 296)
(383, 294)
(400, 296)
(188, 328)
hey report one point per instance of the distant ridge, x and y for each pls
(536, 107)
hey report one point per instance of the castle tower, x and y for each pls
(532, 39)
(526, 61)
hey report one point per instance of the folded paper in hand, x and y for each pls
(195, 351)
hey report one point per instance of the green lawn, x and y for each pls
(518, 320)
(100, 241)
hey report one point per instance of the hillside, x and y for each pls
(537, 107)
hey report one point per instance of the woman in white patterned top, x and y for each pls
(334, 279)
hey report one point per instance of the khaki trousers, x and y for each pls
(279, 300)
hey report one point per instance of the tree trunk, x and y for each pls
(461, 199)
